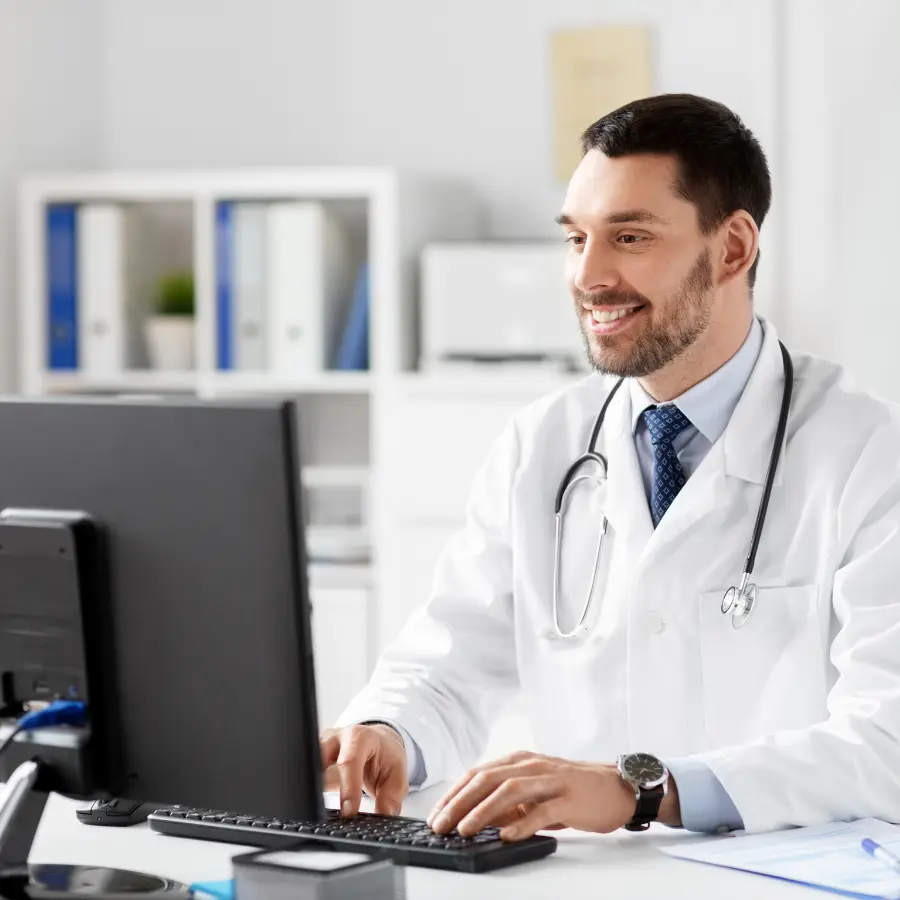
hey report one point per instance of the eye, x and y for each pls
(576, 240)
(631, 238)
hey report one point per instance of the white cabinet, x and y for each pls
(441, 429)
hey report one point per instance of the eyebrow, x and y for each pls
(639, 216)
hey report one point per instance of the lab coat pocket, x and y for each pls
(767, 675)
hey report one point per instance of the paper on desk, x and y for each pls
(827, 856)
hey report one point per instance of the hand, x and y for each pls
(365, 756)
(525, 792)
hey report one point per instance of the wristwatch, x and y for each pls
(650, 779)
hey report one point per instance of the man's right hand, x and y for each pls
(370, 757)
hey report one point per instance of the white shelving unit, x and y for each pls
(349, 416)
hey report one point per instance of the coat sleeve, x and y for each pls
(847, 766)
(446, 675)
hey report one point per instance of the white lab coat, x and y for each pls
(797, 714)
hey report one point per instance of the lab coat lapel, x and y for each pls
(749, 435)
(622, 497)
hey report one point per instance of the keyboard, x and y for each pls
(408, 842)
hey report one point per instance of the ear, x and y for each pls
(740, 245)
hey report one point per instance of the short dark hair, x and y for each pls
(722, 166)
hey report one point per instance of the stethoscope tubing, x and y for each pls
(747, 592)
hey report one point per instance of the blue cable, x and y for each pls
(60, 712)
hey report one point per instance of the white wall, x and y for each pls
(463, 89)
(458, 88)
(51, 66)
(864, 134)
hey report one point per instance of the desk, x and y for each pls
(606, 867)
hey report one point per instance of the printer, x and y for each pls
(498, 302)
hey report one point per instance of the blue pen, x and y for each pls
(885, 856)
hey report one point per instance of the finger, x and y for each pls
(544, 816)
(356, 750)
(506, 798)
(475, 792)
(455, 788)
(391, 790)
(330, 747)
(517, 758)
(479, 786)
(469, 793)
(331, 780)
(521, 810)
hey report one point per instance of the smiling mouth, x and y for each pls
(604, 316)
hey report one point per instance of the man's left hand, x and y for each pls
(526, 792)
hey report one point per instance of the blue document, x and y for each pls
(829, 857)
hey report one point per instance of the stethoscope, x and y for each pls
(740, 601)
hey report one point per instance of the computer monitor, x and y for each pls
(200, 506)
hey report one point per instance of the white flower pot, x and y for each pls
(170, 342)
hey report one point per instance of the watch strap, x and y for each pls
(647, 810)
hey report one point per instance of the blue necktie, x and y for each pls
(665, 423)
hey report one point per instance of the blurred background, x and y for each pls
(352, 204)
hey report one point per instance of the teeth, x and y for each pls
(604, 316)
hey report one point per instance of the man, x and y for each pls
(793, 718)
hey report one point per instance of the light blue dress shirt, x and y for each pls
(705, 804)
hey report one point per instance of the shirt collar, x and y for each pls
(709, 404)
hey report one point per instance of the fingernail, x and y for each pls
(346, 807)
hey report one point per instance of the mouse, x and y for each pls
(118, 811)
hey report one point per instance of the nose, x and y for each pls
(594, 268)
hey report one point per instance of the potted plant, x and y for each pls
(170, 331)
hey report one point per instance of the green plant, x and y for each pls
(175, 294)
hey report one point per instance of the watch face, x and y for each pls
(642, 768)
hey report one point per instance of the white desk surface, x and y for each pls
(621, 865)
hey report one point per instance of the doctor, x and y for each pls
(658, 707)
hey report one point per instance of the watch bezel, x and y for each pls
(644, 785)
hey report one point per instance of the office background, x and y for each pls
(463, 91)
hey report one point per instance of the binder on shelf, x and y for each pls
(250, 306)
(306, 277)
(353, 351)
(224, 285)
(62, 287)
(101, 288)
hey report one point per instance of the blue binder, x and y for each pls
(62, 287)
(225, 284)
(353, 351)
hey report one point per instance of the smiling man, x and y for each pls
(646, 701)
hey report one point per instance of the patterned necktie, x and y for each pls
(665, 423)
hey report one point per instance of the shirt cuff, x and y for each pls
(415, 763)
(705, 804)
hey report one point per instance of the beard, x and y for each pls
(686, 315)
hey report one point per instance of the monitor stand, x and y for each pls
(22, 804)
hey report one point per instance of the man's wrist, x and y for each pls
(389, 730)
(670, 808)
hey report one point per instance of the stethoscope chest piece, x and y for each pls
(740, 602)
